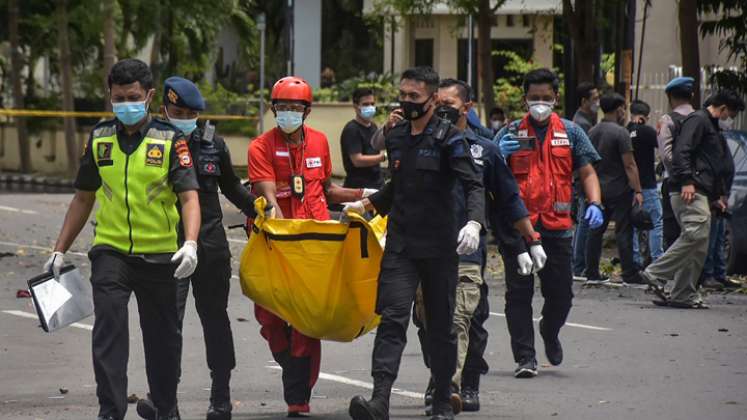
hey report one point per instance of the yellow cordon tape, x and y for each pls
(82, 114)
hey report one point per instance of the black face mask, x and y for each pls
(448, 113)
(413, 110)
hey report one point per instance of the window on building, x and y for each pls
(523, 47)
(526, 20)
(424, 52)
(509, 20)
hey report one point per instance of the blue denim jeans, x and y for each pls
(579, 238)
(652, 204)
(715, 263)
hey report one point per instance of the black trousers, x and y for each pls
(210, 287)
(114, 278)
(475, 363)
(617, 209)
(398, 281)
(671, 229)
(555, 281)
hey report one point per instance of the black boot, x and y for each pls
(146, 409)
(173, 415)
(470, 392)
(377, 408)
(220, 397)
(442, 410)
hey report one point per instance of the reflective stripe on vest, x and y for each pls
(137, 206)
(545, 175)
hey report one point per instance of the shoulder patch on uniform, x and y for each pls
(476, 151)
(182, 153)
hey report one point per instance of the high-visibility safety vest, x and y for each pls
(319, 276)
(545, 175)
(137, 205)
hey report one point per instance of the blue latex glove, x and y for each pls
(507, 145)
(594, 216)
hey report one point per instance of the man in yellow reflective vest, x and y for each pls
(136, 168)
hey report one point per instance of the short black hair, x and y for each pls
(583, 91)
(497, 111)
(130, 70)
(726, 97)
(683, 93)
(611, 101)
(638, 107)
(424, 74)
(540, 77)
(465, 91)
(358, 93)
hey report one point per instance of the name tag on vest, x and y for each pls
(313, 162)
(282, 153)
(560, 142)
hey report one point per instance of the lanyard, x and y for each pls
(291, 162)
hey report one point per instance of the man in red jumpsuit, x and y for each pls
(290, 166)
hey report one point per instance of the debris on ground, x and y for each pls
(23, 294)
(64, 391)
(132, 399)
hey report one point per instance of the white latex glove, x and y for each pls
(538, 257)
(525, 264)
(188, 255)
(369, 191)
(55, 263)
(353, 207)
(469, 238)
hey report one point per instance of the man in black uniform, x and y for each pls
(137, 169)
(426, 156)
(182, 103)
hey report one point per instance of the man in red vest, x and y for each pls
(543, 151)
(290, 166)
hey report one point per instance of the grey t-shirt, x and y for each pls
(611, 140)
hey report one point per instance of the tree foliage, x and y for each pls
(731, 26)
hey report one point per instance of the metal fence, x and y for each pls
(651, 91)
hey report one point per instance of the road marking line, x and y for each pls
(360, 384)
(33, 316)
(15, 210)
(41, 248)
(570, 324)
(238, 241)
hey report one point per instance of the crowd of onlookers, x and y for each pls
(652, 180)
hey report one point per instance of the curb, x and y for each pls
(50, 181)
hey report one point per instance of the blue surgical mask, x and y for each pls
(129, 113)
(289, 121)
(186, 126)
(368, 112)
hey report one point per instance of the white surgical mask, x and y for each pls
(496, 124)
(594, 108)
(368, 112)
(187, 126)
(289, 121)
(726, 124)
(540, 110)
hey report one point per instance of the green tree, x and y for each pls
(732, 27)
(483, 10)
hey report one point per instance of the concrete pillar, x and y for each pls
(446, 46)
(307, 48)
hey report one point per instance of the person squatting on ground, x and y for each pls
(543, 160)
(137, 169)
(702, 174)
(427, 155)
(644, 142)
(507, 214)
(290, 166)
(621, 188)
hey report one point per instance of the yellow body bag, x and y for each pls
(319, 276)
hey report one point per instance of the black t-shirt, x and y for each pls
(644, 143)
(356, 138)
(611, 141)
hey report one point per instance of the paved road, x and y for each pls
(624, 358)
